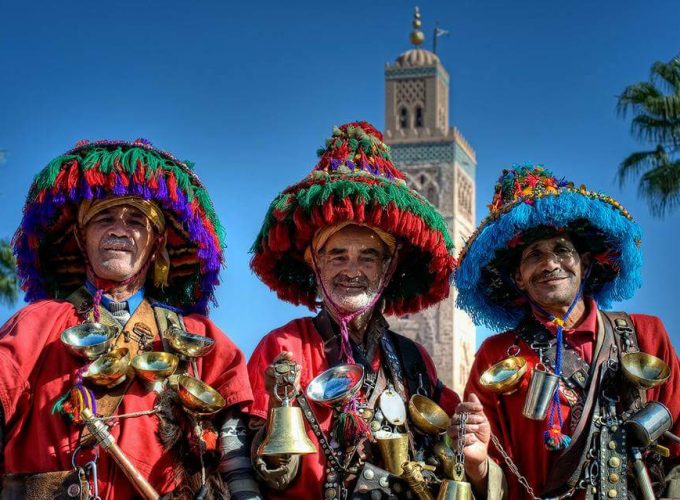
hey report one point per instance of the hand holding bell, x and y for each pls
(476, 438)
(284, 373)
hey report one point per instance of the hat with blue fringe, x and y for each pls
(530, 203)
(356, 181)
(50, 262)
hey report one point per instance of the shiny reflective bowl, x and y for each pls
(504, 375)
(188, 344)
(155, 366)
(644, 370)
(89, 340)
(198, 396)
(336, 385)
(427, 415)
(109, 369)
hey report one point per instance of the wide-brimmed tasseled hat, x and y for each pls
(530, 203)
(50, 262)
(356, 181)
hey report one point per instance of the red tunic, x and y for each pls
(521, 437)
(302, 339)
(36, 369)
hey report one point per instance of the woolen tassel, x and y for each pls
(555, 440)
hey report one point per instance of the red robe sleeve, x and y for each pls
(224, 368)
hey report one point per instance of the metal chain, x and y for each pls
(513, 468)
(459, 467)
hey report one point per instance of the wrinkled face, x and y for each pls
(550, 272)
(118, 242)
(352, 265)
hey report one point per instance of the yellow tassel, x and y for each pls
(558, 321)
(161, 268)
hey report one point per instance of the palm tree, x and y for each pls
(656, 108)
(9, 284)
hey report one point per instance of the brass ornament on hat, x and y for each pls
(644, 370)
(427, 415)
(286, 434)
(155, 366)
(198, 397)
(110, 369)
(89, 340)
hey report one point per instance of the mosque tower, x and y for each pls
(440, 164)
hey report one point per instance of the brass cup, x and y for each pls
(394, 450)
(455, 490)
(336, 386)
(198, 396)
(109, 369)
(427, 415)
(155, 366)
(89, 340)
(644, 370)
(504, 375)
(188, 344)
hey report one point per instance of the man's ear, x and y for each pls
(586, 258)
(519, 282)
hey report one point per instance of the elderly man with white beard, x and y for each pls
(353, 240)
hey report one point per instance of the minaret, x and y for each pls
(440, 164)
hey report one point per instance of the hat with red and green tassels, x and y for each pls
(50, 262)
(356, 181)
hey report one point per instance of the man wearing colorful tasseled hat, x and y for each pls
(575, 407)
(119, 252)
(354, 241)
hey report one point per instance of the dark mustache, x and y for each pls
(347, 281)
(555, 274)
(118, 243)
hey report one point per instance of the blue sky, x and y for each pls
(250, 90)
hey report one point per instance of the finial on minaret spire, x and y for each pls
(417, 36)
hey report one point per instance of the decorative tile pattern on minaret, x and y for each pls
(440, 164)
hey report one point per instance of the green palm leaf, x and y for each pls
(9, 283)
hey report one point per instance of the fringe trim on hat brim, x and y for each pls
(100, 173)
(422, 277)
(553, 210)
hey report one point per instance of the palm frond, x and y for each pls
(639, 162)
(658, 130)
(667, 74)
(9, 282)
(661, 188)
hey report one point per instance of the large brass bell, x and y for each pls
(286, 433)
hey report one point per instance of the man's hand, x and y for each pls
(477, 436)
(279, 372)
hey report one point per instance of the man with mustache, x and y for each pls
(354, 241)
(121, 239)
(544, 266)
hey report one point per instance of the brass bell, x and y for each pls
(455, 490)
(286, 433)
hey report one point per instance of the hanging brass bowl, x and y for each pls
(188, 344)
(198, 396)
(109, 369)
(427, 415)
(155, 366)
(336, 386)
(644, 370)
(89, 340)
(504, 375)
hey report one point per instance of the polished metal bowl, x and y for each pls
(188, 344)
(337, 385)
(644, 370)
(504, 375)
(155, 366)
(109, 369)
(198, 396)
(427, 415)
(89, 340)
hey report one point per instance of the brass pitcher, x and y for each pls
(394, 450)
(455, 490)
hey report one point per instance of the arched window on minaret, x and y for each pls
(403, 118)
(419, 117)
